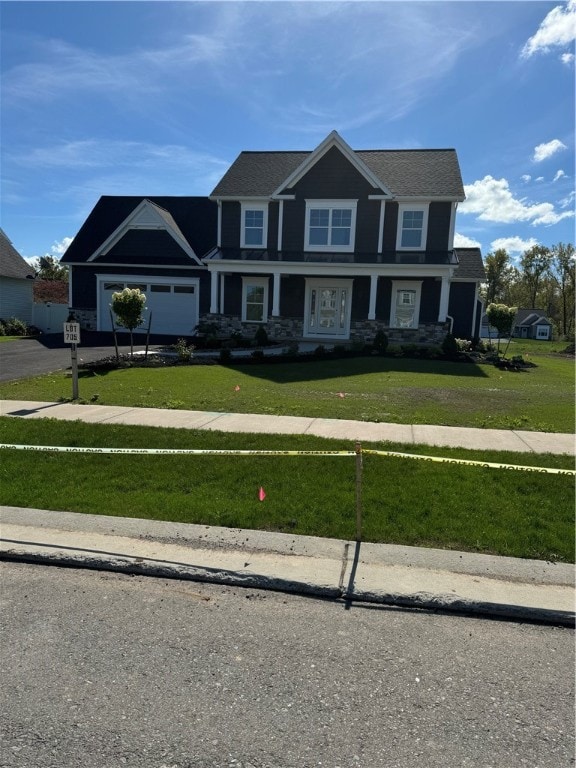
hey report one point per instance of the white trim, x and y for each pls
(338, 270)
(246, 206)
(155, 221)
(280, 223)
(381, 226)
(444, 300)
(373, 295)
(453, 208)
(214, 279)
(125, 265)
(474, 312)
(405, 285)
(330, 205)
(276, 294)
(316, 283)
(332, 140)
(261, 281)
(404, 208)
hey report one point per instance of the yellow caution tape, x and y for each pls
(470, 462)
(217, 452)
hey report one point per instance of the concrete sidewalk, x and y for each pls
(517, 441)
(428, 579)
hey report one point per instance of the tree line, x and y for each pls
(543, 278)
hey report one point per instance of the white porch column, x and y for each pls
(444, 296)
(276, 295)
(214, 293)
(372, 304)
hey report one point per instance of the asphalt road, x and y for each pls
(31, 357)
(102, 670)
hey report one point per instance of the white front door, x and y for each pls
(328, 308)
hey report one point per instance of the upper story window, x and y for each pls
(412, 227)
(254, 225)
(330, 225)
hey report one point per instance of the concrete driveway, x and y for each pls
(47, 353)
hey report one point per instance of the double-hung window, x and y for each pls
(254, 299)
(330, 225)
(254, 225)
(412, 226)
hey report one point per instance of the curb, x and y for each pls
(419, 601)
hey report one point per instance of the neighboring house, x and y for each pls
(328, 245)
(532, 324)
(16, 283)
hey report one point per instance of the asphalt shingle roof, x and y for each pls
(194, 217)
(11, 263)
(470, 264)
(405, 172)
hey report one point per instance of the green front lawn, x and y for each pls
(405, 501)
(380, 389)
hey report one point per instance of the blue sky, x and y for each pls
(158, 98)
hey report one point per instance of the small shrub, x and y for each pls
(464, 345)
(261, 336)
(2, 329)
(395, 351)
(184, 350)
(380, 342)
(320, 351)
(410, 350)
(449, 346)
(257, 354)
(358, 346)
(15, 327)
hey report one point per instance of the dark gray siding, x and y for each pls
(461, 307)
(292, 296)
(146, 247)
(293, 226)
(230, 225)
(360, 298)
(273, 213)
(438, 226)
(390, 225)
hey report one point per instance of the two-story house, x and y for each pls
(328, 245)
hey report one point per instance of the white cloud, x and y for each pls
(491, 200)
(59, 248)
(567, 58)
(526, 178)
(544, 151)
(559, 175)
(568, 200)
(461, 241)
(513, 245)
(557, 29)
(539, 178)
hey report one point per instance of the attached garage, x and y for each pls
(172, 302)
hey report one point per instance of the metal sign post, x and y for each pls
(72, 336)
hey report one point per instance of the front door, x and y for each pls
(328, 308)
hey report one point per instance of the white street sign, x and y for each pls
(71, 333)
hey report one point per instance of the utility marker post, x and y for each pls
(358, 492)
(72, 336)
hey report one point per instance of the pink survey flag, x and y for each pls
(340, 394)
(236, 388)
(261, 494)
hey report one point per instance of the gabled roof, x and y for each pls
(192, 220)
(531, 317)
(420, 173)
(470, 264)
(11, 263)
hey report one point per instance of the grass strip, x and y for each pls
(409, 502)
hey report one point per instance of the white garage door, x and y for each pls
(174, 304)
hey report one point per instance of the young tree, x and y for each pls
(502, 318)
(499, 272)
(128, 306)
